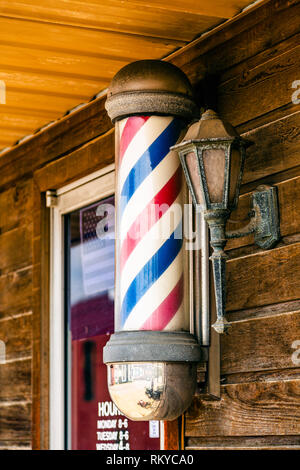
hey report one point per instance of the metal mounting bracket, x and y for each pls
(265, 206)
(264, 222)
(51, 198)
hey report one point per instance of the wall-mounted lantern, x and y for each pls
(212, 155)
(152, 357)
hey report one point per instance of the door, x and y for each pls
(82, 415)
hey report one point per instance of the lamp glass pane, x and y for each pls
(235, 168)
(214, 167)
(193, 170)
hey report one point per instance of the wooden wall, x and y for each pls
(253, 73)
(248, 68)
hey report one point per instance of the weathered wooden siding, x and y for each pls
(250, 66)
(16, 314)
(260, 391)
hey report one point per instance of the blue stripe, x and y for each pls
(151, 272)
(149, 160)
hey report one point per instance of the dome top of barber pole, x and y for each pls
(135, 89)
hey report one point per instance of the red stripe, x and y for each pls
(150, 215)
(131, 127)
(166, 311)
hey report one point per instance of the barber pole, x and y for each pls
(149, 227)
(150, 102)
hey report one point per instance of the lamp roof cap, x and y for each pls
(211, 127)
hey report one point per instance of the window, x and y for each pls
(82, 415)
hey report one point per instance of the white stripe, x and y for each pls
(91, 267)
(151, 185)
(142, 140)
(179, 321)
(155, 295)
(99, 254)
(121, 125)
(150, 244)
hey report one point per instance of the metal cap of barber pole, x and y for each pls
(150, 86)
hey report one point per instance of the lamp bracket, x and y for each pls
(264, 222)
(265, 226)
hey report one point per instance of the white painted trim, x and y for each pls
(162, 435)
(83, 192)
(57, 423)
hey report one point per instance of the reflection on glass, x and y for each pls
(152, 390)
(90, 258)
(92, 269)
(144, 382)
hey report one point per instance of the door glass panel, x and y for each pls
(93, 421)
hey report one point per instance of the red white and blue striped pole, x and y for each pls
(151, 103)
(149, 233)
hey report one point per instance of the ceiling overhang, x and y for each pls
(56, 55)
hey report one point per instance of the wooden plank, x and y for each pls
(246, 97)
(15, 292)
(243, 443)
(34, 81)
(171, 435)
(15, 445)
(94, 155)
(110, 15)
(218, 7)
(18, 122)
(276, 148)
(60, 105)
(83, 41)
(260, 344)
(289, 208)
(15, 380)
(9, 137)
(15, 421)
(251, 281)
(275, 375)
(62, 64)
(255, 409)
(15, 205)
(46, 115)
(239, 443)
(16, 248)
(17, 336)
(268, 53)
(266, 311)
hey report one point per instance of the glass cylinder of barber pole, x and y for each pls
(150, 103)
(149, 245)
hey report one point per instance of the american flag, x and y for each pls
(97, 228)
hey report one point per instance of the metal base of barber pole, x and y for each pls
(152, 346)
